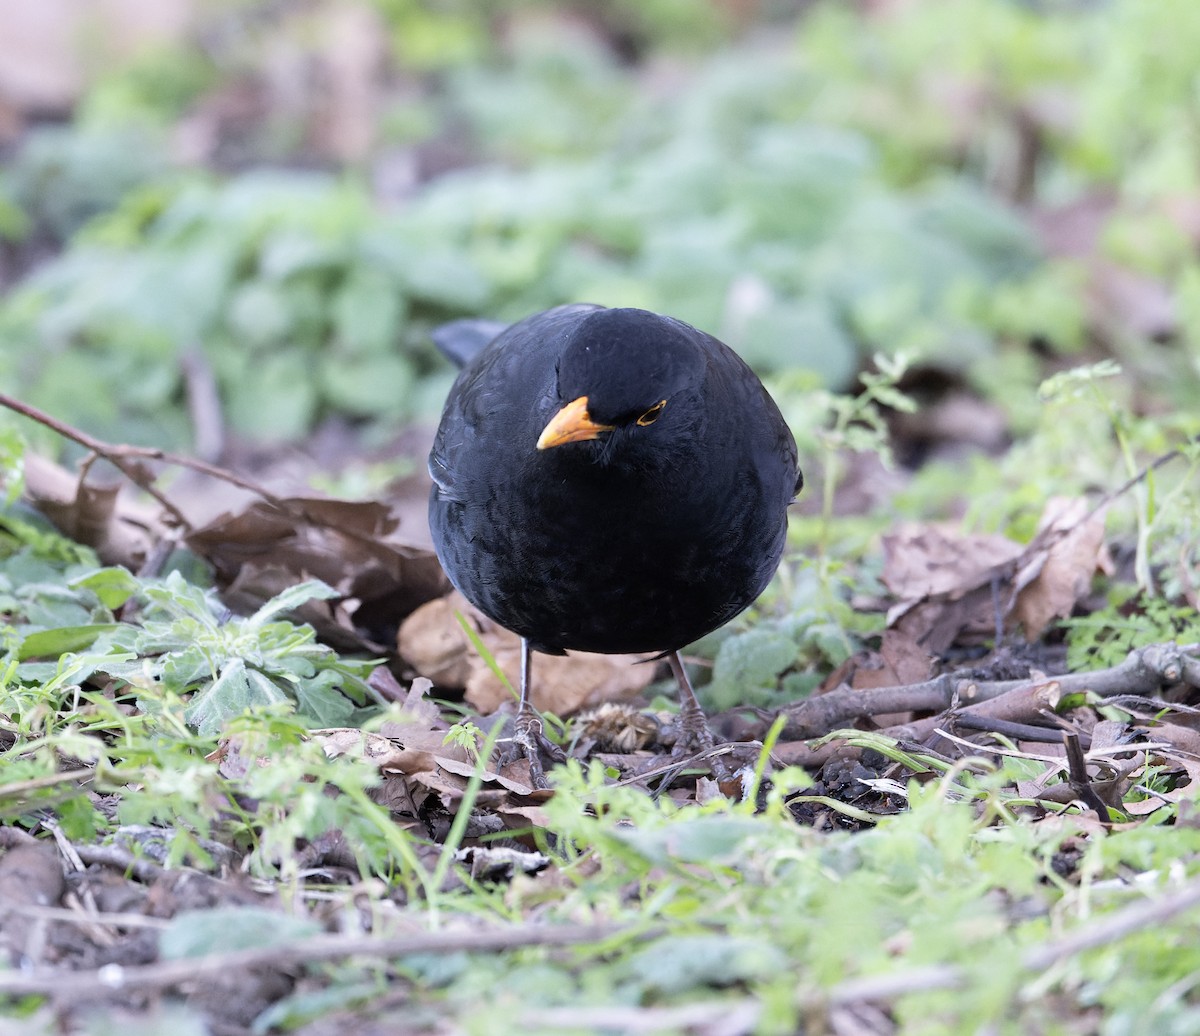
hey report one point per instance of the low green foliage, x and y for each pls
(1105, 637)
(816, 204)
(778, 653)
(782, 237)
(735, 907)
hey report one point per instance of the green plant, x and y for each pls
(230, 665)
(1105, 637)
(63, 176)
(779, 236)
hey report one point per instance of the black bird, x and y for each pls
(608, 480)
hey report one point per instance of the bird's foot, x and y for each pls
(529, 742)
(696, 738)
(694, 733)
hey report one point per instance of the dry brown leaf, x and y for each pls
(30, 875)
(413, 743)
(119, 528)
(950, 583)
(955, 423)
(1053, 580)
(434, 644)
(356, 547)
(945, 581)
(467, 769)
(364, 744)
(432, 641)
(418, 709)
(450, 785)
(563, 684)
(900, 660)
(1131, 300)
(515, 816)
(921, 560)
(1117, 296)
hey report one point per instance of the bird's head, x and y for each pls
(620, 373)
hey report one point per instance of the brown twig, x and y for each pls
(1144, 671)
(18, 789)
(712, 1016)
(129, 461)
(123, 860)
(1007, 728)
(1077, 775)
(84, 985)
(121, 457)
(204, 404)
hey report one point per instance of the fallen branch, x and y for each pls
(72, 986)
(1145, 671)
(131, 461)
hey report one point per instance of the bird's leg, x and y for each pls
(695, 733)
(692, 721)
(529, 739)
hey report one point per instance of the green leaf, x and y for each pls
(678, 964)
(62, 640)
(367, 312)
(368, 386)
(714, 839)
(747, 667)
(237, 690)
(12, 467)
(320, 700)
(258, 315)
(447, 279)
(307, 1005)
(289, 252)
(291, 599)
(277, 400)
(114, 586)
(802, 334)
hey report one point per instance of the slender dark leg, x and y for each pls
(529, 739)
(526, 672)
(692, 721)
(695, 735)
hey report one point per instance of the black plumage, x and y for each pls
(610, 480)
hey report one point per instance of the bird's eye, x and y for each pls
(651, 415)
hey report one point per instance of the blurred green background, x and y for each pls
(287, 196)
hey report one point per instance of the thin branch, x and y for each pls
(727, 1016)
(1121, 490)
(1114, 927)
(18, 789)
(1077, 773)
(1145, 671)
(204, 404)
(112, 919)
(128, 460)
(83, 985)
(117, 858)
(120, 457)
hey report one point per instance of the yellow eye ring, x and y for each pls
(651, 415)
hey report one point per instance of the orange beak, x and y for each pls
(571, 424)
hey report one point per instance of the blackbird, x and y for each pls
(608, 480)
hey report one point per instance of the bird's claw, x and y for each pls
(696, 738)
(529, 742)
